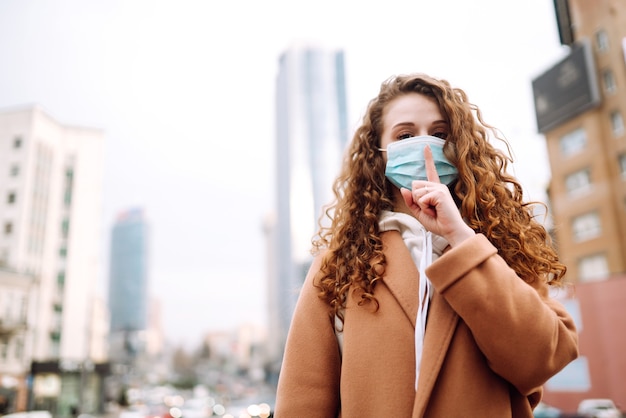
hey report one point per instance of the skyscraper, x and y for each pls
(128, 284)
(311, 133)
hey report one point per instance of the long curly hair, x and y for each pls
(489, 199)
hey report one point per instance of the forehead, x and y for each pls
(411, 107)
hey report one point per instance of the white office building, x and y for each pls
(50, 217)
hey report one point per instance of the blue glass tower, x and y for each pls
(128, 277)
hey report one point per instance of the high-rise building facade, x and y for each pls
(580, 105)
(128, 296)
(311, 133)
(51, 213)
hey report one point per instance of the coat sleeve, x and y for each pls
(308, 383)
(525, 335)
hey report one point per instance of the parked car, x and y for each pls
(598, 408)
(546, 411)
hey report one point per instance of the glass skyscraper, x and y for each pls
(128, 281)
(311, 134)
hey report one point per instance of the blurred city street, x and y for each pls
(164, 166)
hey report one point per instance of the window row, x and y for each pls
(8, 229)
(580, 181)
(67, 197)
(575, 141)
(609, 82)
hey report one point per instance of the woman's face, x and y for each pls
(406, 116)
(412, 114)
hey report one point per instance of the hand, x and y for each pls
(433, 206)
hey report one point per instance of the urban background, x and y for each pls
(163, 166)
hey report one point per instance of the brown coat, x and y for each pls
(491, 342)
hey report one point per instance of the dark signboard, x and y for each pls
(564, 22)
(567, 89)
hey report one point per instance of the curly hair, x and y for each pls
(489, 199)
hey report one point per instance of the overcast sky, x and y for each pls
(184, 91)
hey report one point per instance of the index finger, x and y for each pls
(431, 170)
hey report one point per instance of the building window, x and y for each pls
(69, 181)
(617, 123)
(55, 346)
(586, 226)
(17, 142)
(11, 197)
(67, 197)
(609, 81)
(15, 170)
(593, 268)
(8, 228)
(573, 142)
(578, 181)
(63, 252)
(19, 349)
(65, 228)
(602, 40)
(622, 165)
(23, 309)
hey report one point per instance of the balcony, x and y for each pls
(11, 326)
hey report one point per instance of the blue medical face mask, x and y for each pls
(406, 162)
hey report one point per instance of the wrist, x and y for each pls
(460, 235)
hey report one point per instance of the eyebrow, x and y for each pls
(403, 124)
(436, 122)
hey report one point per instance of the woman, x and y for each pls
(428, 228)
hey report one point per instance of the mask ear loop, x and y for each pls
(424, 299)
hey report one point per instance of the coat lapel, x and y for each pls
(401, 276)
(402, 279)
(440, 327)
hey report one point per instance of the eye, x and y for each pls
(441, 135)
(404, 135)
